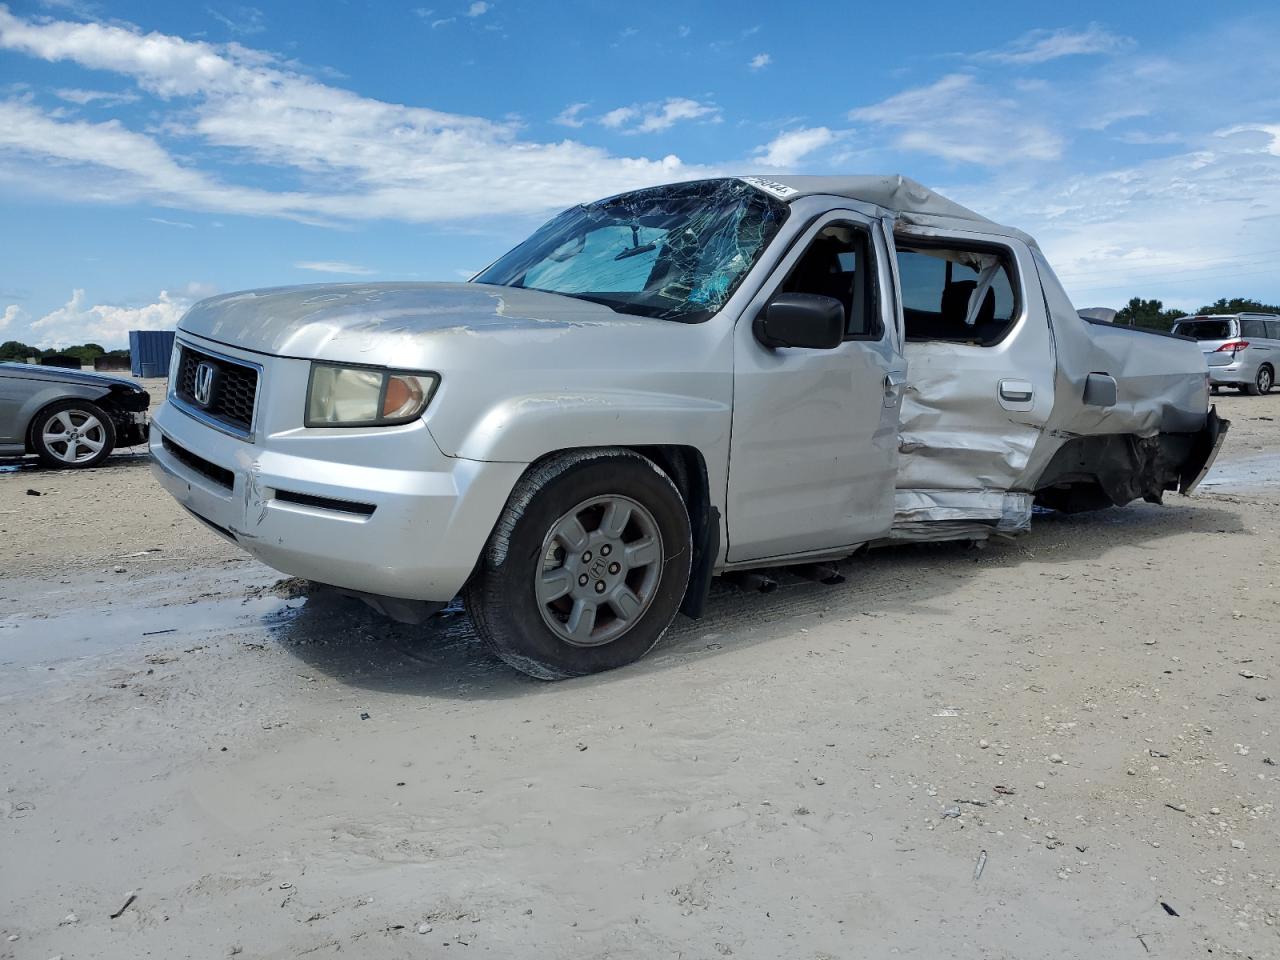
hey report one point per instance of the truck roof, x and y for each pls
(910, 199)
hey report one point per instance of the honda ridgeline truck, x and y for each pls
(662, 387)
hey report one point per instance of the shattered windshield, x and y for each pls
(675, 252)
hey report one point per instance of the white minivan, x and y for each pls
(1242, 349)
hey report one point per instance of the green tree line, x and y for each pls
(1153, 315)
(86, 352)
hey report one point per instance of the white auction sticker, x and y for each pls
(773, 187)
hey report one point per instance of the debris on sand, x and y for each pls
(290, 588)
(131, 896)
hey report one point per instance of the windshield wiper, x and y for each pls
(636, 251)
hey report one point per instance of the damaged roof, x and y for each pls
(913, 202)
(892, 191)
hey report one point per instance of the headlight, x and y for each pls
(340, 396)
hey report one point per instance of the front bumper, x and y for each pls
(381, 512)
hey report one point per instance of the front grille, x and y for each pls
(219, 475)
(235, 388)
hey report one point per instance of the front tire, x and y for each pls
(586, 568)
(73, 434)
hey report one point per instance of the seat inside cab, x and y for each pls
(955, 295)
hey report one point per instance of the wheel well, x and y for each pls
(105, 402)
(687, 469)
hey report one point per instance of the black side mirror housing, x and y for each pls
(801, 320)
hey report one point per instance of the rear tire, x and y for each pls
(586, 568)
(1263, 382)
(73, 434)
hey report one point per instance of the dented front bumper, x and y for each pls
(383, 513)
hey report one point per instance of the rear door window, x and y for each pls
(940, 284)
(1273, 329)
(1253, 328)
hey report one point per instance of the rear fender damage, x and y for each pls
(1089, 473)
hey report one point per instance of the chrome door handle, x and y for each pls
(1016, 391)
(1016, 394)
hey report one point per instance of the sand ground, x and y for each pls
(1088, 712)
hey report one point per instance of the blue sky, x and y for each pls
(151, 154)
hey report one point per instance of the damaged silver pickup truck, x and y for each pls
(662, 387)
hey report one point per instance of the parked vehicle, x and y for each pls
(1241, 349)
(664, 386)
(66, 417)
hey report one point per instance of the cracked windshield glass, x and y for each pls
(675, 252)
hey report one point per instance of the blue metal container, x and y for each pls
(149, 352)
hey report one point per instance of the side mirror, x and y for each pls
(801, 320)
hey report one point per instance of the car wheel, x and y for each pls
(586, 567)
(1263, 382)
(73, 433)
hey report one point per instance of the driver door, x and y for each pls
(814, 448)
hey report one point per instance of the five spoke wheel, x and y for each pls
(74, 436)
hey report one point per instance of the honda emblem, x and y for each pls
(202, 391)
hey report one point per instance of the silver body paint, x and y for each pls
(808, 453)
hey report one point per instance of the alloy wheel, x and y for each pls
(74, 436)
(601, 565)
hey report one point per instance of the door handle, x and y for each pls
(1017, 391)
(1016, 394)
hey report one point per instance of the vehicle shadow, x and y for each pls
(345, 640)
(119, 460)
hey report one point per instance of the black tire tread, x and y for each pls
(36, 429)
(482, 595)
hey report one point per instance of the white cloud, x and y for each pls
(478, 9)
(334, 266)
(75, 322)
(1041, 46)
(172, 223)
(655, 117)
(959, 119)
(352, 157)
(789, 148)
(1268, 141)
(197, 290)
(760, 61)
(240, 19)
(673, 111)
(100, 98)
(570, 116)
(12, 314)
(618, 117)
(442, 22)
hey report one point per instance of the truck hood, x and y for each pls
(385, 323)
